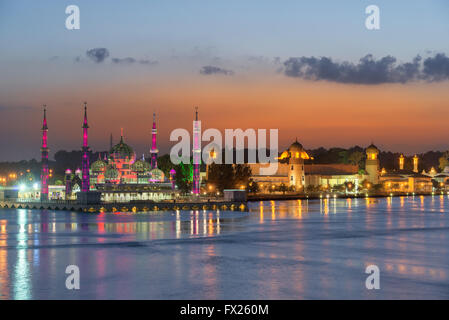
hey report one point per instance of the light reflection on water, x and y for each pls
(280, 249)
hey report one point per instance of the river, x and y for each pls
(315, 249)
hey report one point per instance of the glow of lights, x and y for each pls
(35, 186)
(22, 187)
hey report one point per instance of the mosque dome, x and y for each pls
(98, 166)
(140, 166)
(68, 171)
(111, 173)
(296, 146)
(157, 175)
(296, 150)
(122, 151)
(372, 149)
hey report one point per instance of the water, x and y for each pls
(316, 249)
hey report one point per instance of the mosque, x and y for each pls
(120, 177)
(297, 176)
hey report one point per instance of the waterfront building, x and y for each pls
(402, 180)
(296, 175)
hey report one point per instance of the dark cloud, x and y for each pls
(130, 60)
(369, 70)
(208, 70)
(127, 60)
(436, 68)
(98, 55)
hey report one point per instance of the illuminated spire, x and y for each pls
(44, 151)
(85, 182)
(154, 151)
(196, 153)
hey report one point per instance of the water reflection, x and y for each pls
(280, 249)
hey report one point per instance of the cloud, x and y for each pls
(436, 68)
(98, 55)
(209, 70)
(368, 70)
(130, 60)
(127, 60)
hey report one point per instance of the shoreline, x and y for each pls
(269, 197)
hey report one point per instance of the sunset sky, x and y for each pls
(241, 62)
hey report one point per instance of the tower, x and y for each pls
(415, 163)
(68, 183)
(296, 174)
(372, 164)
(85, 183)
(44, 151)
(196, 153)
(154, 149)
(212, 157)
(401, 162)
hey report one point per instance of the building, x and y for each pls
(409, 181)
(372, 164)
(293, 173)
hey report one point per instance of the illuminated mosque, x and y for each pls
(296, 175)
(120, 176)
(121, 167)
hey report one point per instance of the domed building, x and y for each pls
(297, 171)
(121, 167)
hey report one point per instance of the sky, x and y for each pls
(308, 68)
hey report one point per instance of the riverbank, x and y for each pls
(320, 195)
(140, 206)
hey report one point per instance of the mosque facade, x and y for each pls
(297, 176)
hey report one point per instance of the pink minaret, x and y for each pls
(44, 150)
(196, 153)
(154, 149)
(85, 183)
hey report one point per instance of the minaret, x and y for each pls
(154, 149)
(372, 164)
(44, 150)
(415, 163)
(68, 183)
(85, 184)
(401, 162)
(196, 153)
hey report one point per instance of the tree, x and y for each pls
(443, 161)
(311, 188)
(228, 176)
(356, 158)
(184, 177)
(253, 187)
(164, 163)
(283, 188)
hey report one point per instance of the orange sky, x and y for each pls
(408, 118)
